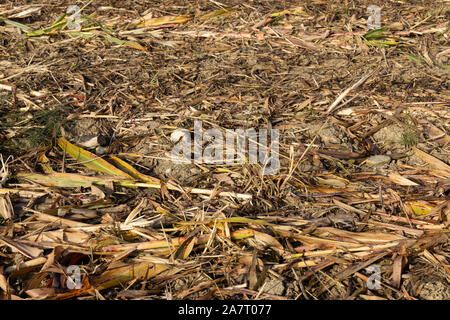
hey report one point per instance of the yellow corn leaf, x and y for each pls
(86, 35)
(90, 160)
(117, 276)
(132, 171)
(420, 208)
(164, 20)
(380, 43)
(43, 160)
(72, 180)
(242, 234)
(143, 177)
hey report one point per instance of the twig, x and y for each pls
(334, 105)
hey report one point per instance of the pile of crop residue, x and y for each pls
(93, 206)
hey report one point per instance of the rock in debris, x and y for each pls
(435, 290)
(377, 161)
(274, 287)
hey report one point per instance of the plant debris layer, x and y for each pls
(93, 207)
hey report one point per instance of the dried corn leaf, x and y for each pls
(361, 237)
(6, 208)
(18, 246)
(217, 13)
(333, 182)
(432, 161)
(185, 249)
(400, 180)
(3, 282)
(118, 276)
(296, 10)
(130, 44)
(176, 242)
(60, 237)
(26, 13)
(17, 25)
(60, 221)
(244, 221)
(24, 267)
(41, 293)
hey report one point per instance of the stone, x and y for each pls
(377, 161)
(274, 287)
(435, 290)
